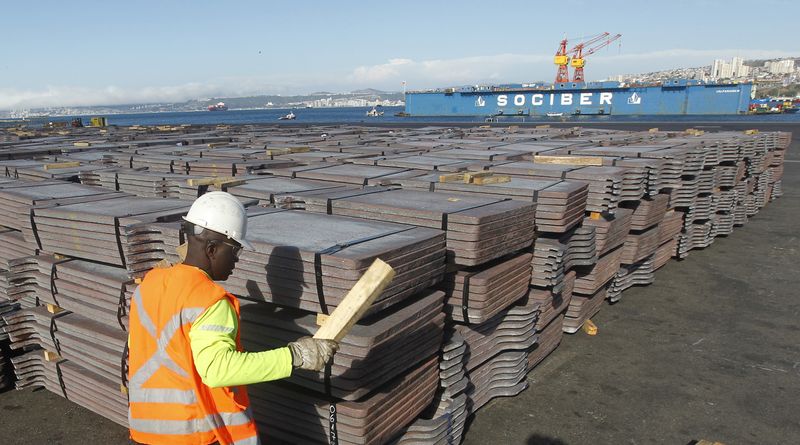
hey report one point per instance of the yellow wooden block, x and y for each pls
(321, 319)
(594, 215)
(182, 250)
(123, 389)
(589, 327)
(568, 160)
(277, 151)
(653, 130)
(542, 126)
(51, 356)
(214, 180)
(53, 309)
(753, 131)
(57, 165)
(217, 144)
(471, 176)
(452, 177)
(497, 179)
(82, 144)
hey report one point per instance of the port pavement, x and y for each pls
(710, 351)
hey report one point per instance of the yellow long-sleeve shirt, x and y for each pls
(213, 342)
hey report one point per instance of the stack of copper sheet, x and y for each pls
(18, 199)
(428, 162)
(375, 351)
(664, 253)
(610, 230)
(695, 235)
(309, 261)
(605, 183)
(94, 290)
(583, 307)
(443, 421)
(649, 212)
(281, 192)
(497, 353)
(476, 294)
(18, 283)
(14, 246)
(84, 363)
(559, 204)
(95, 230)
(592, 278)
(637, 274)
(478, 229)
(640, 245)
(549, 337)
(670, 227)
(291, 414)
(347, 173)
(554, 256)
(7, 309)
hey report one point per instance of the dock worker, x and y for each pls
(186, 364)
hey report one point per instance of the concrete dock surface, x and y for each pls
(711, 351)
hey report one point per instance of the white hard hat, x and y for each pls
(222, 213)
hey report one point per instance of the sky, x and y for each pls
(57, 53)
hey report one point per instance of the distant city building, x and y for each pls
(724, 70)
(785, 66)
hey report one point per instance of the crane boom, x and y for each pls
(591, 46)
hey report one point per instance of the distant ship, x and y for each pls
(676, 96)
(220, 106)
(288, 117)
(374, 113)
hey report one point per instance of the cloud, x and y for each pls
(418, 74)
(447, 71)
(508, 68)
(58, 96)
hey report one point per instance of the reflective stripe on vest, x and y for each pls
(182, 427)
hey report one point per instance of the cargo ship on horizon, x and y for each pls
(219, 106)
(671, 97)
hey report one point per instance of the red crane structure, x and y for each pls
(579, 52)
(562, 60)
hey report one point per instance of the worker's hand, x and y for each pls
(312, 354)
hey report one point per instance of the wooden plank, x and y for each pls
(287, 150)
(57, 165)
(471, 176)
(216, 181)
(496, 179)
(356, 302)
(217, 144)
(452, 177)
(568, 160)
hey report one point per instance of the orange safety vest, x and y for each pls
(169, 403)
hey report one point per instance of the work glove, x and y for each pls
(312, 354)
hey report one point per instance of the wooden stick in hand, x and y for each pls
(356, 302)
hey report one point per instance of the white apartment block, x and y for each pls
(785, 66)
